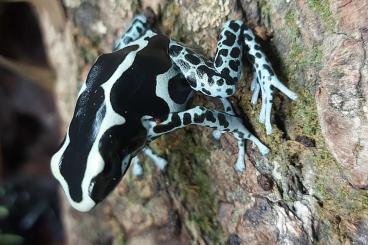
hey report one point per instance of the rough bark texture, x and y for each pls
(311, 188)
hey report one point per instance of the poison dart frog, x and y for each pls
(141, 90)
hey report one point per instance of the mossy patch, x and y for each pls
(187, 173)
(322, 8)
(338, 198)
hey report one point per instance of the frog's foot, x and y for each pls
(240, 162)
(137, 166)
(157, 160)
(264, 79)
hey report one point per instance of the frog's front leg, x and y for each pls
(209, 118)
(219, 78)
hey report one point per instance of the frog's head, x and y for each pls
(97, 148)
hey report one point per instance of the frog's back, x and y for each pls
(137, 91)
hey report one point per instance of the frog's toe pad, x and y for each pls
(216, 134)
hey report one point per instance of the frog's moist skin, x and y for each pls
(140, 91)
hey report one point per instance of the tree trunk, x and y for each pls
(311, 188)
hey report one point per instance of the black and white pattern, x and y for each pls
(140, 91)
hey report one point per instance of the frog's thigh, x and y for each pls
(202, 116)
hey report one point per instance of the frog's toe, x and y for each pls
(240, 165)
(240, 161)
(137, 167)
(216, 134)
(160, 162)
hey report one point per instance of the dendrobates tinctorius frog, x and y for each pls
(140, 91)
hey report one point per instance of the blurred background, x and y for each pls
(29, 131)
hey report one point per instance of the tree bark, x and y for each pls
(311, 188)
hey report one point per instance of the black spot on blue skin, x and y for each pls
(251, 58)
(268, 68)
(223, 52)
(235, 52)
(199, 118)
(220, 82)
(246, 48)
(146, 38)
(139, 29)
(210, 117)
(226, 73)
(183, 65)
(230, 38)
(207, 70)
(174, 123)
(259, 55)
(206, 91)
(127, 40)
(200, 73)
(175, 50)
(257, 47)
(241, 135)
(239, 41)
(234, 65)
(229, 91)
(218, 61)
(222, 120)
(248, 37)
(234, 26)
(192, 59)
(259, 74)
(208, 63)
(187, 118)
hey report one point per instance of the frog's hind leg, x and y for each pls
(200, 115)
(264, 78)
(228, 108)
(137, 28)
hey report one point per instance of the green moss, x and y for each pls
(171, 24)
(264, 6)
(322, 8)
(300, 55)
(193, 188)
